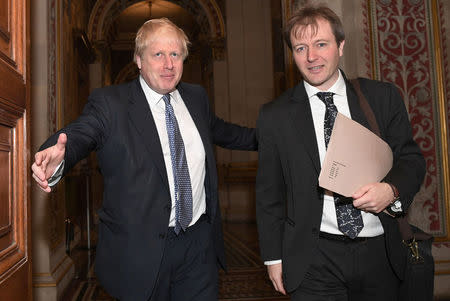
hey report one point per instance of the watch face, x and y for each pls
(396, 206)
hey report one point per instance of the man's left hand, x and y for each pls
(373, 197)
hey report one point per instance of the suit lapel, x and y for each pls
(301, 116)
(142, 118)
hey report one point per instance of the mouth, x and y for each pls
(315, 68)
(168, 76)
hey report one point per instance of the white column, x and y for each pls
(52, 268)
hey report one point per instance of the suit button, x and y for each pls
(314, 231)
(162, 236)
(167, 207)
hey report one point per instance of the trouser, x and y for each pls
(189, 269)
(348, 270)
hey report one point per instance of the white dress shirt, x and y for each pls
(372, 224)
(195, 152)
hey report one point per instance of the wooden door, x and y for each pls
(15, 240)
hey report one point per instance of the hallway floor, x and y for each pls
(246, 278)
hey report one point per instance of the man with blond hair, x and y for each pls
(160, 235)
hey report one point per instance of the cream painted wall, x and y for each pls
(244, 81)
(353, 62)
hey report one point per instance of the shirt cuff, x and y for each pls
(57, 175)
(271, 262)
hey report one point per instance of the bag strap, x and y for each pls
(405, 228)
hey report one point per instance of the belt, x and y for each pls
(203, 218)
(344, 238)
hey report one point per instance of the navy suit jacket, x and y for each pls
(117, 123)
(289, 201)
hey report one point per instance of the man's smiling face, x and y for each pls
(317, 54)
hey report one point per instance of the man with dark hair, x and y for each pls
(160, 235)
(315, 247)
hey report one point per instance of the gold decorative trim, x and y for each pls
(442, 117)
(370, 28)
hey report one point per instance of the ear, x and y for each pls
(138, 61)
(341, 48)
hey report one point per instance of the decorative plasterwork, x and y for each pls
(404, 41)
(206, 12)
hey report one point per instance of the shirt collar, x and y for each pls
(337, 88)
(154, 97)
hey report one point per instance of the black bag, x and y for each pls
(418, 281)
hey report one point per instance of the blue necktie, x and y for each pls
(182, 180)
(349, 218)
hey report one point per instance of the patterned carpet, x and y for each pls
(246, 278)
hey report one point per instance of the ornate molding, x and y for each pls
(206, 12)
(218, 49)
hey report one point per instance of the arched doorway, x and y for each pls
(113, 25)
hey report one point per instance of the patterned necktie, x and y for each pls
(349, 218)
(182, 180)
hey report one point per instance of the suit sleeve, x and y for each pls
(229, 135)
(270, 192)
(87, 133)
(408, 169)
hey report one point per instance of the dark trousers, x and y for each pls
(189, 268)
(344, 270)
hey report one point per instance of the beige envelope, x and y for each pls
(355, 157)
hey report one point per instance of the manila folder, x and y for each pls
(355, 157)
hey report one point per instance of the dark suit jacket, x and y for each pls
(289, 199)
(117, 123)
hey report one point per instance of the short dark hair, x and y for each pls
(307, 16)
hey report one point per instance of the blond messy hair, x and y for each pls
(150, 27)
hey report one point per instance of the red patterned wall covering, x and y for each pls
(443, 18)
(405, 59)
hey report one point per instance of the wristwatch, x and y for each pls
(395, 208)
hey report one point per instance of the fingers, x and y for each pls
(42, 184)
(276, 276)
(47, 160)
(278, 285)
(372, 198)
(38, 170)
(361, 191)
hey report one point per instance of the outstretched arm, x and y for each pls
(46, 162)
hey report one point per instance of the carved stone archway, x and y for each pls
(206, 12)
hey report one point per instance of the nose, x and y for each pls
(311, 55)
(168, 63)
